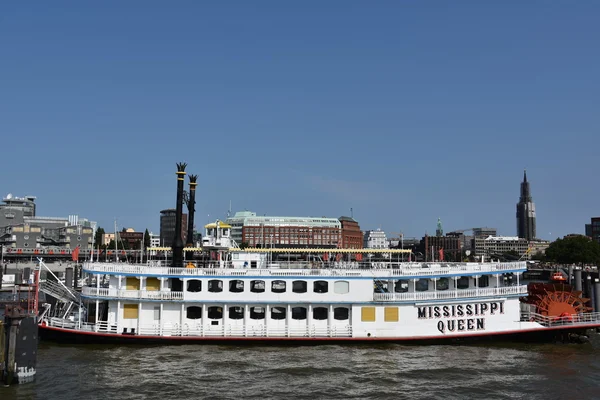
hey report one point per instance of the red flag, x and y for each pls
(358, 257)
(441, 252)
(75, 254)
(325, 256)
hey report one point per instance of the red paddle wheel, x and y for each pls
(556, 299)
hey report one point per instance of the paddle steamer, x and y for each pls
(224, 293)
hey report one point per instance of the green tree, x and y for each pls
(146, 239)
(574, 250)
(99, 236)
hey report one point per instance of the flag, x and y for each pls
(325, 256)
(358, 257)
(441, 253)
(75, 254)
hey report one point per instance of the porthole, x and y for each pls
(257, 286)
(215, 312)
(236, 312)
(215, 286)
(278, 312)
(257, 313)
(194, 312)
(341, 287)
(341, 313)
(236, 286)
(278, 286)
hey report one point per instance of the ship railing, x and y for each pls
(451, 294)
(582, 319)
(131, 294)
(199, 330)
(383, 269)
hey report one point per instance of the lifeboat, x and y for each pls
(558, 277)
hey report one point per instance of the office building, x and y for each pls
(526, 218)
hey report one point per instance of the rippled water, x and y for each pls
(500, 371)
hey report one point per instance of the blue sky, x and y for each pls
(405, 111)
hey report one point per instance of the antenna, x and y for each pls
(351, 213)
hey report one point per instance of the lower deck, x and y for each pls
(427, 320)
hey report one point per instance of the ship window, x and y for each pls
(462, 282)
(194, 312)
(236, 312)
(483, 281)
(130, 311)
(368, 314)
(341, 287)
(215, 312)
(299, 287)
(257, 286)
(278, 286)
(320, 286)
(442, 284)
(236, 286)
(401, 286)
(320, 313)
(298, 312)
(341, 313)
(176, 285)
(194, 286)
(215, 285)
(257, 312)
(422, 285)
(278, 312)
(390, 314)
(380, 286)
(152, 284)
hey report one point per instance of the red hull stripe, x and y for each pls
(386, 339)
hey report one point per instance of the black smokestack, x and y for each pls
(191, 208)
(178, 240)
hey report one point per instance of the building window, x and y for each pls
(215, 312)
(215, 286)
(236, 286)
(341, 287)
(299, 287)
(278, 286)
(483, 281)
(390, 314)
(341, 313)
(236, 312)
(194, 285)
(298, 312)
(462, 282)
(401, 286)
(193, 312)
(320, 313)
(278, 312)
(320, 287)
(257, 312)
(422, 285)
(257, 286)
(367, 314)
(442, 284)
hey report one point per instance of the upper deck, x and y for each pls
(355, 270)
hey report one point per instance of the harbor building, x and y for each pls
(167, 226)
(526, 212)
(285, 232)
(352, 237)
(154, 240)
(375, 239)
(496, 246)
(133, 239)
(592, 230)
(441, 248)
(22, 231)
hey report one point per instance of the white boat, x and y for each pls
(237, 296)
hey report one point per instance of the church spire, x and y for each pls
(524, 175)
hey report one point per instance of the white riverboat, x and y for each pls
(314, 294)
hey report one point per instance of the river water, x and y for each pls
(384, 371)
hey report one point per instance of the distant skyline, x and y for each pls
(405, 112)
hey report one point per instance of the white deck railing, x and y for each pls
(451, 294)
(573, 319)
(131, 294)
(383, 270)
(199, 330)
